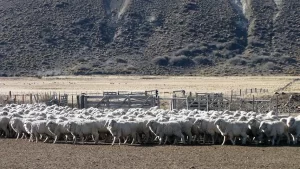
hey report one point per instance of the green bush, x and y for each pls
(182, 61)
(161, 61)
(237, 61)
(262, 59)
(202, 61)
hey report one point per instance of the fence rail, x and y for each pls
(233, 100)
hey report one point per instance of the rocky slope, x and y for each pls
(215, 37)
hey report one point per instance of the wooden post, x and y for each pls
(59, 99)
(129, 102)
(253, 103)
(198, 101)
(23, 99)
(207, 102)
(15, 99)
(255, 90)
(158, 102)
(30, 98)
(72, 102)
(187, 103)
(251, 91)
(240, 92)
(231, 99)
(277, 101)
(9, 94)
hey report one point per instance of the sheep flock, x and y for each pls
(38, 122)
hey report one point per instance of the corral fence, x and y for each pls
(259, 100)
(120, 99)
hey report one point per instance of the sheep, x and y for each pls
(58, 128)
(274, 130)
(186, 128)
(36, 129)
(232, 129)
(294, 128)
(167, 129)
(82, 128)
(208, 127)
(17, 124)
(253, 125)
(4, 123)
(122, 129)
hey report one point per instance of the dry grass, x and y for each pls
(98, 84)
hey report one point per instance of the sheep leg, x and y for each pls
(119, 141)
(224, 140)
(55, 139)
(82, 139)
(166, 140)
(18, 136)
(47, 137)
(204, 138)
(36, 138)
(133, 138)
(278, 140)
(147, 135)
(161, 139)
(23, 136)
(288, 138)
(125, 140)
(213, 138)
(232, 140)
(74, 139)
(66, 138)
(96, 138)
(114, 140)
(182, 138)
(273, 140)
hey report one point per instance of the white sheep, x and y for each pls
(58, 128)
(83, 128)
(274, 130)
(294, 128)
(232, 129)
(167, 129)
(36, 129)
(17, 125)
(122, 129)
(207, 127)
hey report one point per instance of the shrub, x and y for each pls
(262, 59)
(120, 60)
(288, 60)
(202, 61)
(271, 66)
(161, 61)
(237, 61)
(181, 61)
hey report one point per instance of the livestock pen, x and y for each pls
(258, 100)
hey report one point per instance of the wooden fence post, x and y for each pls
(72, 102)
(30, 98)
(207, 102)
(59, 99)
(253, 103)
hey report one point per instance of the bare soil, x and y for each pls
(22, 154)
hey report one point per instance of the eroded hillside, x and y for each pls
(217, 37)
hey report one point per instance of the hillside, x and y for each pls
(208, 37)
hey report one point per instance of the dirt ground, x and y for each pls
(22, 154)
(98, 84)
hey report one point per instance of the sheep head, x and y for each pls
(290, 121)
(263, 126)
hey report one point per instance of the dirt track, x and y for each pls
(22, 154)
